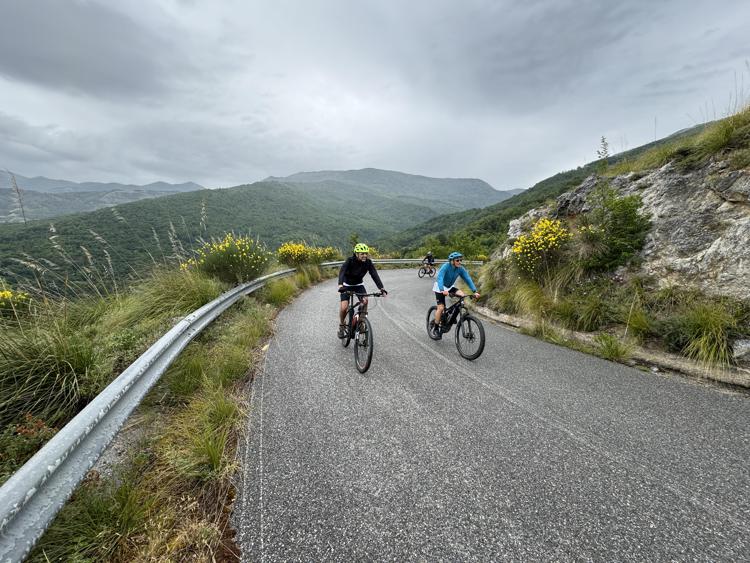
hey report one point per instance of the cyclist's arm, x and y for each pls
(374, 274)
(343, 269)
(467, 278)
(440, 279)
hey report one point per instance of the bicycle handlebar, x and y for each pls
(349, 292)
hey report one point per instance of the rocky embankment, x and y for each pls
(700, 228)
(700, 233)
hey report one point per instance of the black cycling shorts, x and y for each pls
(355, 288)
(440, 298)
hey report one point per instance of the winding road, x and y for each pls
(532, 452)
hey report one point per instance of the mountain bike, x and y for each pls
(426, 270)
(469, 330)
(359, 329)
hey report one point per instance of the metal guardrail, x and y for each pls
(31, 498)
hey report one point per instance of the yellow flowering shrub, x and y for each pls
(298, 253)
(233, 259)
(12, 300)
(536, 252)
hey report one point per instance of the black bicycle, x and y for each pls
(469, 330)
(359, 329)
(426, 270)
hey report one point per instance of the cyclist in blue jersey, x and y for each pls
(444, 285)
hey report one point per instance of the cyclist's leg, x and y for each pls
(342, 308)
(440, 298)
(342, 315)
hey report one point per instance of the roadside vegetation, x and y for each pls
(168, 498)
(576, 273)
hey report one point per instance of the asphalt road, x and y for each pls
(532, 452)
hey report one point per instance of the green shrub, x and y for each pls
(169, 293)
(18, 442)
(565, 312)
(609, 347)
(703, 333)
(100, 523)
(299, 253)
(12, 302)
(234, 259)
(49, 370)
(539, 252)
(279, 292)
(593, 311)
(617, 227)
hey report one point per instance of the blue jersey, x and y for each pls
(447, 276)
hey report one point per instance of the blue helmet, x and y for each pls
(454, 255)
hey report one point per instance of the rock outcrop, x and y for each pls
(700, 233)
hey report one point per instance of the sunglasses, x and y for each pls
(458, 259)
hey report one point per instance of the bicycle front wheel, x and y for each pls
(363, 346)
(345, 341)
(432, 272)
(421, 272)
(470, 337)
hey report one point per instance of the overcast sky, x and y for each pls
(229, 92)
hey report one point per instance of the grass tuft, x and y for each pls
(611, 348)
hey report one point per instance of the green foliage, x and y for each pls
(141, 234)
(12, 303)
(169, 293)
(611, 348)
(101, 522)
(730, 135)
(48, 369)
(539, 252)
(18, 442)
(279, 292)
(300, 253)
(233, 259)
(615, 232)
(702, 332)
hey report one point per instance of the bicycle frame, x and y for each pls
(448, 313)
(361, 309)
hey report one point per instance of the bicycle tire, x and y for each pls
(345, 341)
(363, 347)
(431, 321)
(421, 272)
(469, 331)
(432, 272)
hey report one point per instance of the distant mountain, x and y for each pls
(456, 193)
(137, 233)
(44, 197)
(42, 184)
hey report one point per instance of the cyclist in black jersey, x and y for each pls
(351, 274)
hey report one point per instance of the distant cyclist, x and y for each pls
(429, 260)
(444, 285)
(351, 274)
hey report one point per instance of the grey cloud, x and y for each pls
(41, 143)
(83, 47)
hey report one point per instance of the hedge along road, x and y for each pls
(531, 452)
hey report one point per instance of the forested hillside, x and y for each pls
(484, 229)
(139, 234)
(23, 198)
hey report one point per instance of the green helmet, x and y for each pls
(361, 248)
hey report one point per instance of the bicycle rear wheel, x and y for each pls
(363, 346)
(431, 321)
(421, 272)
(432, 272)
(470, 337)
